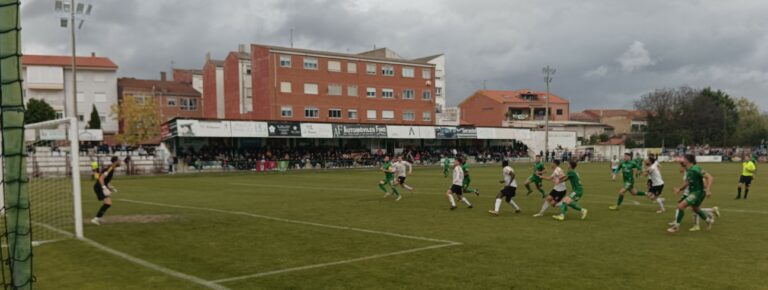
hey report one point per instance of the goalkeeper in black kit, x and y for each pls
(103, 190)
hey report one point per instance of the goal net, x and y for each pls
(52, 181)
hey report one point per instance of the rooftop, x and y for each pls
(92, 62)
(518, 96)
(166, 87)
(381, 54)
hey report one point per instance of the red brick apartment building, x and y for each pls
(175, 99)
(502, 108)
(288, 84)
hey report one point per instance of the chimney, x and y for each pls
(207, 56)
(162, 76)
(93, 54)
(241, 48)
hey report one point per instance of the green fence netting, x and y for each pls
(17, 236)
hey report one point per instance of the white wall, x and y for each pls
(220, 92)
(197, 83)
(564, 139)
(439, 63)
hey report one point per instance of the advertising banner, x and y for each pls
(445, 132)
(196, 128)
(91, 135)
(284, 129)
(411, 132)
(53, 134)
(248, 129)
(466, 133)
(359, 131)
(315, 130)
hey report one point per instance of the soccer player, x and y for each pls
(710, 211)
(614, 167)
(748, 167)
(538, 171)
(403, 168)
(456, 186)
(698, 183)
(655, 181)
(103, 190)
(639, 162)
(467, 180)
(446, 166)
(558, 190)
(628, 168)
(508, 191)
(389, 179)
(573, 199)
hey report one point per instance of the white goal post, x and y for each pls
(59, 130)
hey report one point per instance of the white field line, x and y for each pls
(262, 274)
(442, 243)
(634, 202)
(140, 262)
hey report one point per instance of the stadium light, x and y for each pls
(72, 12)
(548, 73)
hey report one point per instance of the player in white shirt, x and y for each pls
(508, 191)
(558, 190)
(614, 167)
(403, 169)
(655, 182)
(456, 186)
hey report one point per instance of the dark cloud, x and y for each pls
(607, 53)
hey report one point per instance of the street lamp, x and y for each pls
(72, 12)
(548, 73)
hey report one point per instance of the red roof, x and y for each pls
(158, 86)
(516, 96)
(93, 62)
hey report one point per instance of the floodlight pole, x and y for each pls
(548, 73)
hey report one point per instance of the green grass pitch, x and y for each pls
(333, 230)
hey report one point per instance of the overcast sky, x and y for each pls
(607, 53)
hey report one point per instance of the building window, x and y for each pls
(352, 68)
(371, 114)
(310, 89)
(426, 116)
(334, 90)
(426, 95)
(334, 65)
(311, 112)
(409, 116)
(352, 91)
(409, 94)
(334, 113)
(387, 70)
(80, 97)
(285, 61)
(426, 73)
(370, 92)
(559, 112)
(285, 87)
(171, 102)
(370, 68)
(248, 69)
(286, 111)
(352, 114)
(103, 118)
(188, 104)
(100, 97)
(310, 63)
(438, 92)
(80, 117)
(408, 72)
(59, 114)
(387, 115)
(387, 93)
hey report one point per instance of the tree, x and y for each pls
(38, 111)
(752, 125)
(95, 121)
(139, 117)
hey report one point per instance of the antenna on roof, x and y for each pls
(291, 37)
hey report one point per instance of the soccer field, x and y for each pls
(333, 230)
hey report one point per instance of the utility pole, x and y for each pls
(548, 73)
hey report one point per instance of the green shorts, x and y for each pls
(389, 180)
(576, 196)
(695, 198)
(466, 181)
(535, 179)
(629, 185)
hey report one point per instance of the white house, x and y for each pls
(49, 77)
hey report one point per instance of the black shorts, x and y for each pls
(401, 179)
(99, 191)
(557, 195)
(456, 189)
(656, 190)
(509, 191)
(746, 180)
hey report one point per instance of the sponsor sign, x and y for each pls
(445, 132)
(284, 129)
(410, 132)
(466, 133)
(53, 134)
(245, 129)
(359, 131)
(165, 131)
(315, 130)
(91, 135)
(196, 128)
